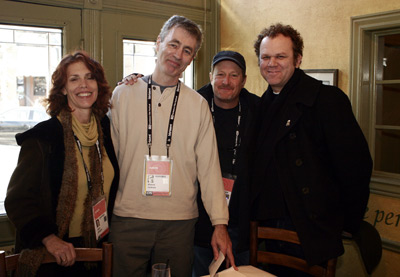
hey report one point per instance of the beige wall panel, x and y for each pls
(351, 264)
(183, 3)
(384, 213)
(324, 25)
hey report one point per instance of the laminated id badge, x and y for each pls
(228, 180)
(99, 211)
(157, 176)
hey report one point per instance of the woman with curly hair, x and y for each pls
(66, 167)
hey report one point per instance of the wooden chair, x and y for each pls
(103, 254)
(257, 256)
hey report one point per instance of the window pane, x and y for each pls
(54, 39)
(55, 56)
(128, 65)
(27, 60)
(6, 35)
(145, 63)
(31, 37)
(387, 151)
(128, 48)
(145, 49)
(139, 57)
(391, 58)
(388, 105)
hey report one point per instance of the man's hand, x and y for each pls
(130, 79)
(221, 241)
(64, 252)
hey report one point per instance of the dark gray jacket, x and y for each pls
(34, 187)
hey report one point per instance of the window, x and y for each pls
(375, 94)
(387, 102)
(140, 57)
(28, 57)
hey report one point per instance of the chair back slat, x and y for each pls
(3, 271)
(10, 262)
(289, 261)
(103, 254)
(258, 256)
(82, 255)
(278, 234)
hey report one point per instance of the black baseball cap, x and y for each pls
(231, 56)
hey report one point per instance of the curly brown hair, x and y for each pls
(57, 101)
(285, 30)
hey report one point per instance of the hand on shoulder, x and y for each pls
(130, 79)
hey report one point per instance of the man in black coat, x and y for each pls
(232, 108)
(311, 163)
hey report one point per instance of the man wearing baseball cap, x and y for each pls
(232, 108)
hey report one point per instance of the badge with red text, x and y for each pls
(228, 180)
(157, 176)
(99, 211)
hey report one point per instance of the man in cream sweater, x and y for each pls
(164, 140)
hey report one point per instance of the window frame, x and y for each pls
(362, 82)
(69, 20)
(375, 35)
(365, 29)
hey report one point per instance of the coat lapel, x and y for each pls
(303, 95)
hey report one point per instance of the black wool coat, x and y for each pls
(323, 165)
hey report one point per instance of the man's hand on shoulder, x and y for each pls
(130, 79)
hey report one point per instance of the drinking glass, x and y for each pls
(160, 270)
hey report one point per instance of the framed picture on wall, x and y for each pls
(327, 76)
